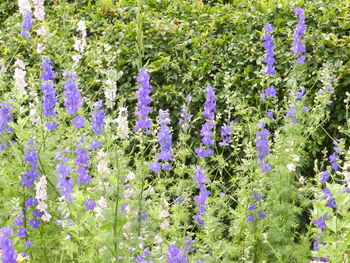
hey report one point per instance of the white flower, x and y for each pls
(301, 179)
(39, 11)
(110, 93)
(291, 167)
(40, 48)
(296, 158)
(122, 121)
(165, 225)
(164, 213)
(24, 6)
(41, 31)
(158, 239)
(130, 176)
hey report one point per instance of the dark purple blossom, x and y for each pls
(22, 232)
(298, 47)
(95, 144)
(269, 46)
(203, 195)
(251, 207)
(98, 117)
(320, 223)
(47, 68)
(261, 215)
(143, 109)
(19, 220)
(291, 114)
(78, 122)
(73, 98)
(270, 115)
(305, 109)
(31, 201)
(34, 223)
(333, 160)
(155, 166)
(262, 145)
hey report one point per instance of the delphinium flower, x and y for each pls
(73, 98)
(327, 195)
(143, 109)
(78, 122)
(333, 160)
(30, 157)
(98, 117)
(26, 12)
(142, 258)
(82, 162)
(175, 255)
(110, 93)
(186, 117)
(90, 204)
(270, 115)
(290, 113)
(252, 207)
(122, 123)
(226, 134)
(19, 77)
(269, 46)
(164, 140)
(207, 128)
(324, 176)
(64, 182)
(41, 196)
(298, 47)
(79, 43)
(300, 93)
(8, 253)
(203, 195)
(262, 145)
(5, 118)
(268, 92)
(39, 11)
(49, 93)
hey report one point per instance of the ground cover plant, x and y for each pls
(174, 131)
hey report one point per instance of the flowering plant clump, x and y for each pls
(256, 169)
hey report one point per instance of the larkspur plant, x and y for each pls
(82, 180)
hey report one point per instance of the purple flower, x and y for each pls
(305, 109)
(164, 140)
(298, 47)
(73, 98)
(51, 125)
(19, 220)
(327, 195)
(207, 128)
(143, 122)
(175, 255)
(257, 197)
(64, 182)
(82, 162)
(155, 166)
(320, 223)
(30, 157)
(47, 68)
(186, 118)
(26, 24)
(300, 94)
(263, 149)
(203, 195)
(34, 223)
(333, 160)
(31, 201)
(6, 246)
(78, 122)
(95, 144)
(261, 215)
(291, 114)
(251, 207)
(270, 115)
(269, 46)
(90, 204)
(143, 217)
(226, 132)
(324, 177)
(98, 117)
(250, 218)
(22, 232)
(5, 118)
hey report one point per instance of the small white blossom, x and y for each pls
(39, 11)
(291, 167)
(122, 121)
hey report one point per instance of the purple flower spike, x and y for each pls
(78, 122)
(298, 47)
(269, 46)
(98, 117)
(73, 98)
(143, 109)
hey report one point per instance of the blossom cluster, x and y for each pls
(262, 144)
(30, 157)
(41, 196)
(64, 182)
(27, 19)
(252, 206)
(298, 47)
(82, 162)
(269, 46)
(98, 117)
(175, 255)
(226, 134)
(6, 246)
(19, 76)
(143, 109)
(79, 43)
(73, 98)
(207, 128)
(203, 195)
